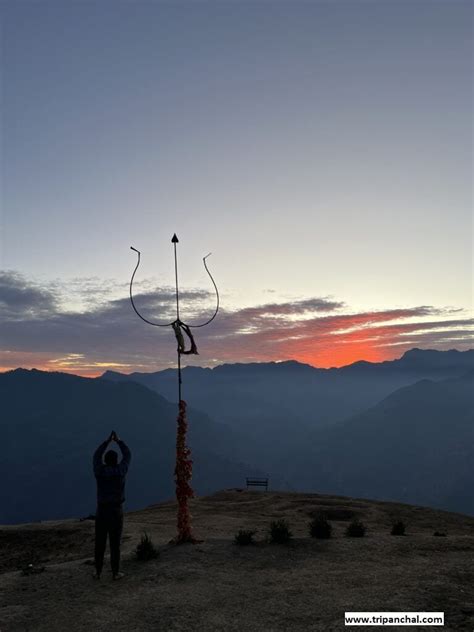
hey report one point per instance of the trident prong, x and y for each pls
(149, 322)
(131, 295)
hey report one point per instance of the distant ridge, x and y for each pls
(296, 419)
(431, 359)
(309, 394)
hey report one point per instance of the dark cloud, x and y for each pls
(159, 304)
(21, 298)
(295, 308)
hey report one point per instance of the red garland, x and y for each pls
(183, 473)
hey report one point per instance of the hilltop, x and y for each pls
(216, 585)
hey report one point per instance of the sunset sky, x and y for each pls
(321, 150)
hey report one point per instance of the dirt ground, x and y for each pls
(217, 585)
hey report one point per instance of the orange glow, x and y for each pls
(57, 369)
(323, 341)
(334, 349)
(75, 364)
(343, 355)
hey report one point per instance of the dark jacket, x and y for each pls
(111, 478)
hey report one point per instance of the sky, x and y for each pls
(322, 151)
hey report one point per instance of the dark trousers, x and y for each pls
(108, 522)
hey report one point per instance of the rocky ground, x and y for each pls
(217, 585)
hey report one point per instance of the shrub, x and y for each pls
(280, 532)
(356, 529)
(146, 549)
(244, 536)
(320, 528)
(398, 528)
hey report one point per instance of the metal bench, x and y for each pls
(257, 482)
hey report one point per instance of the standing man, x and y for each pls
(110, 497)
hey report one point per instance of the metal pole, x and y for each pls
(175, 241)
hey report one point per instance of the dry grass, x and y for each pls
(216, 585)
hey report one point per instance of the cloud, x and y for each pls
(21, 298)
(39, 328)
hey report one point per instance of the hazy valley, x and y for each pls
(400, 430)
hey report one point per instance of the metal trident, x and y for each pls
(183, 469)
(178, 325)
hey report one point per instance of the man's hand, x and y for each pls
(112, 436)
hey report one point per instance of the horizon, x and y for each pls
(216, 366)
(319, 150)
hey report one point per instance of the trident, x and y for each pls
(183, 469)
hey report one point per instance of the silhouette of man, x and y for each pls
(110, 497)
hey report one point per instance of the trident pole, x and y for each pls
(183, 469)
(175, 241)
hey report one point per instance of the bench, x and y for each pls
(257, 482)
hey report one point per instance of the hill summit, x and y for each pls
(218, 586)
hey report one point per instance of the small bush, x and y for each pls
(146, 549)
(280, 532)
(320, 528)
(398, 528)
(356, 529)
(244, 536)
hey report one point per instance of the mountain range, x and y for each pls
(270, 394)
(336, 429)
(399, 430)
